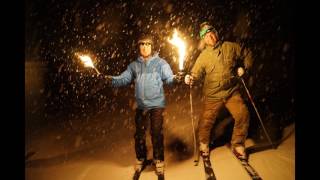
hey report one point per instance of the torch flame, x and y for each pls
(86, 60)
(180, 44)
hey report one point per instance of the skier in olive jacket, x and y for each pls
(218, 63)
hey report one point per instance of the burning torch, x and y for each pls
(180, 44)
(86, 60)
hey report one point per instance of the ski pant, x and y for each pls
(237, 108)
(156, 120)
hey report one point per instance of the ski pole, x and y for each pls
(196, 157)
(258, 114)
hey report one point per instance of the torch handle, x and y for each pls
(97, 71)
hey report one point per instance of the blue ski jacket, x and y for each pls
(148, 77)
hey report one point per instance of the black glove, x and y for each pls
(179, 77)
(108, 80)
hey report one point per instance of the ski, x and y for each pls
(245, 164)
(208, 168)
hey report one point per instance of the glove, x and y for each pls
(240, 71)
(108, 80)
(188, 79)
(179, 77)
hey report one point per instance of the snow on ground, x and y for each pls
(115, 162)
(103, 148)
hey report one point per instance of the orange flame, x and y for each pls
(87, 61)
(181, 45)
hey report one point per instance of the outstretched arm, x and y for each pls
(123, 79)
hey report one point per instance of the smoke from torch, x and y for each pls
(180, 44)
(86, 60)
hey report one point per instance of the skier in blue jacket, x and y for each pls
(149, 72)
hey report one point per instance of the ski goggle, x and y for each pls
(145, 43)
(204, 31)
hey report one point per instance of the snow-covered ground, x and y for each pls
(102, 147)
(71, 154)
(96, 164)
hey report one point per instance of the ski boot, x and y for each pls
(159, 169)
(204, 150)
(205, 154)
(240, 152)
(138, 167)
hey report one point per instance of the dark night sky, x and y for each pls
(56, 29)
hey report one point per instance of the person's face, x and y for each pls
(210, 39)
(145, 49)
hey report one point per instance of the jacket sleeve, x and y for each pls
(123, 79)
(198, 68)
(245, 55)
(166, 74)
